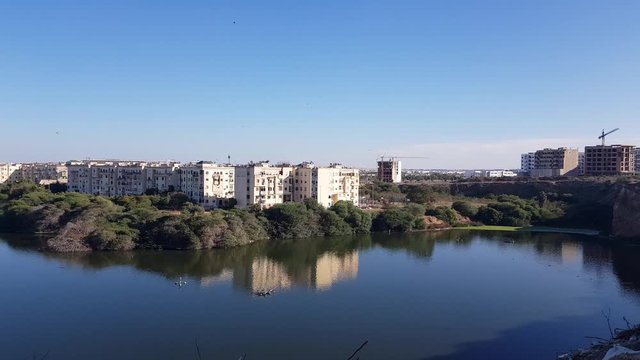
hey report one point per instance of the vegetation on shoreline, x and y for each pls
(81, 222)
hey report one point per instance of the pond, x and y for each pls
(445, 295)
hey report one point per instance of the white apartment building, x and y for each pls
(527, 162)
(119, 178)
(162, 176)
(10, 172)
(211, 185)
(327, 185)
(208, 184)
(43, 172)
(263, 184)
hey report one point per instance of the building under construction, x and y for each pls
(609, 160)
(390, 171)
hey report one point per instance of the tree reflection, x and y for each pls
(320, 263)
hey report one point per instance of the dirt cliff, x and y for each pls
(626, 212)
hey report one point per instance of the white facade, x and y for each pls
(9, 172)
(263, 184)
(208, 184)
(43, 172)
(35, 172)
(327, 185)
(489, 173)
(527, 162)
(162, 177)
(212, 185)
(119, 178)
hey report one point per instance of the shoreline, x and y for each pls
(543, 229)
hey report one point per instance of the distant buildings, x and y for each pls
(35, 172)
(119, 178)
(213, 185)
(489, 173)
(263, 184)
(609, 160)
(206, 183)
(637, 160)
(527, 162)
(555, 162)
(390, 171)
(9, 172)
(327, 185)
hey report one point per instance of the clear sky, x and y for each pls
(469, 84)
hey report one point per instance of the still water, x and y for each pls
(448, 295)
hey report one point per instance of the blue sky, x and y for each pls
(467, 83)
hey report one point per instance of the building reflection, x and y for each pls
(262, 274)
(331, 268)
(322, 274)
(571, 253)
(224, 276)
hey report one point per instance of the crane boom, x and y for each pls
(605, 134)
(402, 157)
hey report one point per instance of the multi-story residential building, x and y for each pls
(43, 172)
(208, 184)
(581, 163)
(10, 172)
(79, 176)
(390, 171)
(609, 160)
(212, 185)
(327, 185)
(119, 178)
(263, 184)
(527, 162)
(637, 160)
(555, 162)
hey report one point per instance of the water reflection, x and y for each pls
(321, 263)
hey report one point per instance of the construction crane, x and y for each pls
(391, 158)
(605, 135)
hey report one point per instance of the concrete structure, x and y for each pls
(39, 173)
(327, 185)
(163, 176)
(263, 184)
(10, 172)
(581, 163)
(638, 161)
(119, 178)
(208, 184)
(609, 160)
(555, 162)
(527, 162)
(44, 172)
(390, 171)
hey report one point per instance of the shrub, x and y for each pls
(444, 213)
(489, 216)
(465, 209)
